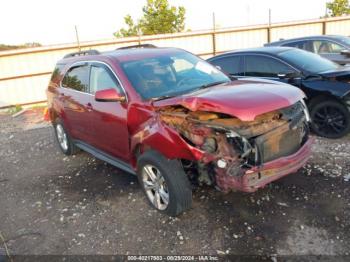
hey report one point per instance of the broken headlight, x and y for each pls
(240, 143)
(306, 111)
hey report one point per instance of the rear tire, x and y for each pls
(165, 183)
(330, 119)
(63, 139)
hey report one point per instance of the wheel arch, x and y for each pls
(322, 96)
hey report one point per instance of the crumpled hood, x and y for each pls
(244, 99)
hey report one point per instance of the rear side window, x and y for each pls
(229, 64)
(77, 78)
(262, 66)
(300, 44)
(57, 73)
(101, 78)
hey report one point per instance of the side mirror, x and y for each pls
(109, 95)
(345, 52)
(288, 75)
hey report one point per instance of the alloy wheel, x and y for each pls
(155, 187)
(329, 120)
(62, 137)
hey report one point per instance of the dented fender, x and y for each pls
(157, 136)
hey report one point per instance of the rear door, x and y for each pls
(74, 93)
(109, 118)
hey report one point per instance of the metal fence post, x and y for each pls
(324, 27)
(269, 28)
(77, 36)
(214, 36)
(139, 36)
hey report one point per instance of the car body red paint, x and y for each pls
(128, 128)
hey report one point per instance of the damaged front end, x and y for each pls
(242, 155)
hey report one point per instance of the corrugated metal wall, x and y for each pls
(25, 73)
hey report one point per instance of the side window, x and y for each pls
(101, 78)
(262, 66)
(299, 44)
(229, 64)
(326, 47)
(77, 78)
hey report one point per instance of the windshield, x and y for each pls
(345, 40)
(170, 75)
(307, 61)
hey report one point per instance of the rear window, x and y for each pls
(298, 44)
(57, 72)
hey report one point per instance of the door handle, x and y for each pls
(89, 107)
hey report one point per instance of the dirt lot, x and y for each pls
(52, 204)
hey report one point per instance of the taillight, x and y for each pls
(46, 114)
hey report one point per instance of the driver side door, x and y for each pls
(109, 118)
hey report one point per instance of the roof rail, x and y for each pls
(82, 53)
(137, 46)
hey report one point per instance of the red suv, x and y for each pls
(174, 120)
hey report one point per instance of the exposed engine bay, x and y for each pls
(233, 146)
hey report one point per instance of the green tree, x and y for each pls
(4, 47)
(338, 7)
(132, 28)
(158, 18)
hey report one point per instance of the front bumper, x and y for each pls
(258, 176)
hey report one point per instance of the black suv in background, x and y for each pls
(326, 84)
(333, 47)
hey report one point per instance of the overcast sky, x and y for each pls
(52, 22)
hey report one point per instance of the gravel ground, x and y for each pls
(52, 204)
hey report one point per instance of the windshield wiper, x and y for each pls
(211, 84)
(200, 87)
(162, 97)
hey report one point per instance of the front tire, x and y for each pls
(330, 119)
(164, 182)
